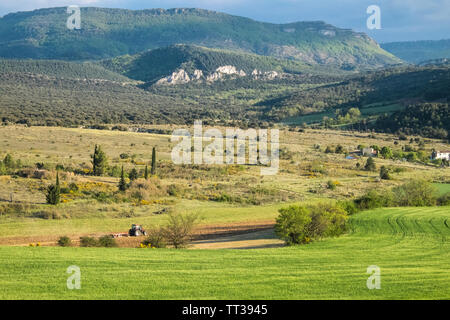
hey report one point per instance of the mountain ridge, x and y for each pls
(420, 51)
(200, 63)
(106, 33)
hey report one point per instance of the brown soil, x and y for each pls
(206, 232)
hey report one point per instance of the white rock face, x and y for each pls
(181, 76)
(268, 75)
(328, 33)
(225, 70)
(177, 77)
(198, 74)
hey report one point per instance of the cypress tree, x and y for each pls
(153, 161)
(370, 165)
(122, 182)
(133, 174)
(54, 192)
(146, 172)
(99, 161)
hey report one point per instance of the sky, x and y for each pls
(401, 20)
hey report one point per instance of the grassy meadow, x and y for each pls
(410, 245)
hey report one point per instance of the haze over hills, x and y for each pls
(42, 34)
(419, 51)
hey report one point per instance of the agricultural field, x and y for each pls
(190, 154)
(237, 209)
(409, 245)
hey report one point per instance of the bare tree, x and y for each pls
(178, 231)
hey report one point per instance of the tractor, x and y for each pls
(136, 231)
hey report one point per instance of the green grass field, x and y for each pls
(443, 188)
(410, 245)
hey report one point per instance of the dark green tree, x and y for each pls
(54, 192)
(122, 182)
(386, 152)
(99, 161)
(146, 172)
(339, 149)
(153, 161)
(384, 173)
(133, 174)
(8, 161)
(370, 165)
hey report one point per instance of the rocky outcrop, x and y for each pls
(223, 71)
(268, 75)
(181, 76)
(177, 77)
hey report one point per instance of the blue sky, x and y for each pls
(402, 20)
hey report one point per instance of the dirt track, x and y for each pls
(203, 238)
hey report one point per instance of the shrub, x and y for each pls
(300, 225)
(386, 152)
(178, 231)
(444, 200)
(142, 189)
(332, 185)
(328, 220)
(416, 193)
(73, 187)
(47, 214)
(155, 239)
(64, 241)
(174, 190)
(375, 199)
(384, 173)
(339, 149)
(349, 206)
(133, 175)
(370, 165)
(107, 241)
(291, 225)
(88, 242)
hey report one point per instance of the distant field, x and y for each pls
(380, 108)
(442, 187)
(368, 110)
(410, 245)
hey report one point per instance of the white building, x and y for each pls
(370, 152)
(441, 155)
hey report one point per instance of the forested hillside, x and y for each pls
(419, 51)
(394, 85)
(426, 119)
(61, 69)
(152, 65)
(107, 33)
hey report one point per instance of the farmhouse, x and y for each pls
(370, 152)
(441, 155)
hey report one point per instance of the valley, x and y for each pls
(93, 121)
